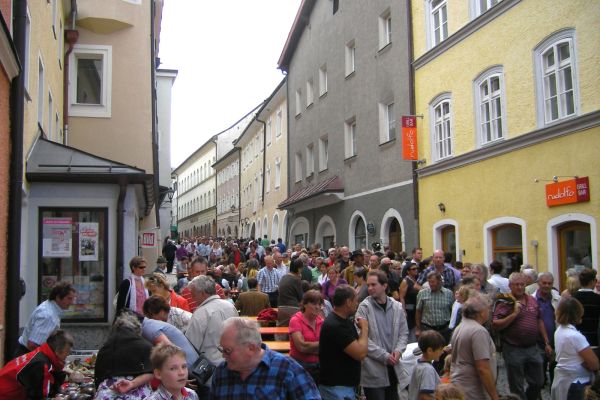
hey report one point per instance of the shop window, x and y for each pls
(507, 246)
(73, 248)
(448, 234)
(360, 234)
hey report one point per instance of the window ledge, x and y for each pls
(297, 116)
(384, 144)
(323, 95)
(464, 32)
(350, 159)
(350, 75)
(323, 170)
(385, 48)
(308, 107)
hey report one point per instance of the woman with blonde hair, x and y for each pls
(157, 285)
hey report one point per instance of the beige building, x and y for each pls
(227, 169)
(263, 152)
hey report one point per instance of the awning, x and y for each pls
(53, 162)
(320, 194)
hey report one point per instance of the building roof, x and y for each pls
(300, 22)
(54, 162)
(328, 186)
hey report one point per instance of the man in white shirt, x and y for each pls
(496, 279)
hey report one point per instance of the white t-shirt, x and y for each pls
(568, 342)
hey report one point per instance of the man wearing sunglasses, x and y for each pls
(252, 369)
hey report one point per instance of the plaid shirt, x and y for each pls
(268, 280)
(163, 394)
(436, 306)
(450, 276)
(275, 377)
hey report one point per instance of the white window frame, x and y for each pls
(385, 29)
(50, 116)
(323, 153)
(57, 127)
(431, 17)
(298, 101)
(269, 130)
(434, 124)
(41, 98)
(54, 14)
(277, 173)
(102, 110)
(486, 77)
(279, 122)
(323, 80)
(385, 124)
(310, 160)
(61, 43)
(25, 62)
(298, 167)
(310, 97)
(564, 36)
(350, 53)
(268, 179)
(350, 138)
(477, 8)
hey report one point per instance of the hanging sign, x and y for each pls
(568, 192)
(148, 239)
(409, 138)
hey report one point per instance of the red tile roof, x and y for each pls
(330, 185)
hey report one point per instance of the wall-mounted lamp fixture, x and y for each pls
(554, 178)
(422, 161)
(442, 207)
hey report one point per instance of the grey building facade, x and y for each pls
(348, 69)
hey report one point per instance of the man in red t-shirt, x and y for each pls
(198, 266)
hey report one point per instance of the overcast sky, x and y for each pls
(226, 52)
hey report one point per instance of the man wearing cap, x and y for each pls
(357, 260)
(161, 265)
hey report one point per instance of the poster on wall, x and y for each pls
(56, 237)
(88, 241)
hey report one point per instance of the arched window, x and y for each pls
(360, 234)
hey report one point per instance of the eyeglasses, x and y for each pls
(224, 351)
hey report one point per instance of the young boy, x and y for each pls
(170, 368)
(425, 378)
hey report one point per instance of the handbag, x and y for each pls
(202, 369)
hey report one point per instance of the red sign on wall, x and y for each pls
(410, 150)
(148, 239)
(568, 192)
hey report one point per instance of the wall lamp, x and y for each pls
(442, 207)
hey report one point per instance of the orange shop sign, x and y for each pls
(409, 138)
(148, 239)
(568, 192)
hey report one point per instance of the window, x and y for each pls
(323, 153)
(279, 122)
(57, 128)
(350, 57)
(90, 76)
(298, 102)
(360, 234)
(385, 29)
(54, 11)
(438, 21)
(556, 76)
(387, 122)
(61, 43)
(507, 246)
(310, 160)
(441, 129)
(50, 116)
(323, 80)
(336, 5)
(268, 179)
(298, 168)
(350, 138)
(41, 96)
(489, 100)
(269, 131)
(309, 93)
(277, 173)
(482, 6)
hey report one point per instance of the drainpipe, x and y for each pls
(411, 92)
(13, 261)
(120, 230)
(153, 62)
(71, 37)
(239, 196)
(264, 157)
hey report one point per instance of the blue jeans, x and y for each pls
(337, 392)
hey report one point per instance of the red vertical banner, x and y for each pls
(410, 150)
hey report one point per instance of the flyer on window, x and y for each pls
(88, 241)
(56, 237)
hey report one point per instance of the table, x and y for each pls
(274, 330)
(278, 345)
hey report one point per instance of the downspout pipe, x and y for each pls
(264, 157)
(120, 231)
(153, 61)
(71, 37)
(17, 112)
(239, 196)
(411, 94)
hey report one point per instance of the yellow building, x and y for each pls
(508, 91)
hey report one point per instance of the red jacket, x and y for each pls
(35, 375)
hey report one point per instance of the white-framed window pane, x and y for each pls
(439, 19)
(323, 153)
(322, 80)
(298, 167)
(391, 121)
(309, 92)
(354, 138)
(350, 57)
(558, 81)
(89, 79)
(442, 129)
(277, 173)
(298, 102)
(279, 123)
(310, 160)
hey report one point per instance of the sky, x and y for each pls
(226, 54)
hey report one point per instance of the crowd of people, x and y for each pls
(368, 322)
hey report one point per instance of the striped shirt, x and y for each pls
(268, 280)
(44, 320)
(436, 306)
(275, 377)
(524, 329)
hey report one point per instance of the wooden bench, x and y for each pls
(278, 345)
(274, 330)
